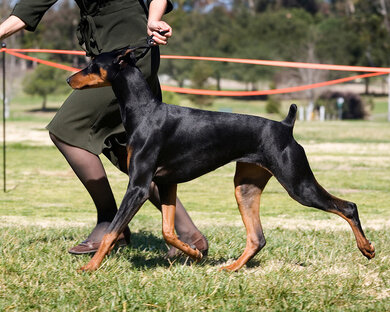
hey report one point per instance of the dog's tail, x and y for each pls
(291, 117)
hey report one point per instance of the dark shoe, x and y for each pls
(87, 247)
(198, 241)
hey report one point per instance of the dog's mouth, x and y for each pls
(74, 83)
(81, 81)
(82, 87)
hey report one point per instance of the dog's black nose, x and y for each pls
(68, 80)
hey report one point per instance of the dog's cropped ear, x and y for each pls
(125, 56)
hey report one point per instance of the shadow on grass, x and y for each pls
(146, 241)
(146, 251)
(222, 261)
(149, 251)
(146, 245)
(43, 110)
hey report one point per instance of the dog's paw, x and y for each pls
(229, 268)
(88, 268)
(368, 251)
(197, 256)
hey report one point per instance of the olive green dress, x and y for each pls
(90, 119)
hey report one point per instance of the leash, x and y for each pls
(149, 44)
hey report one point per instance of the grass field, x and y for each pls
(310, 262)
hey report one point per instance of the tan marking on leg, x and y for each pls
(250, 181)
(129, 153)
(168, 207)
(107, 244)
(366, 248)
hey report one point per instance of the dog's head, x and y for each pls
(102, 69)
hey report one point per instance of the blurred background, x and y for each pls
(347, 32)
(310, 262)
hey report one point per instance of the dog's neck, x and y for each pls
(135, 98)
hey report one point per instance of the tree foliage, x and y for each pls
(350, 32)
(44, 81)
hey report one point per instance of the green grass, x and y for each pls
(297, 271)
(310, 262)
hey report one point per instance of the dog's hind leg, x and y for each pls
(297, 178)
(168, 207)
(249, 181)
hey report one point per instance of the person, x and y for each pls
(89, 122)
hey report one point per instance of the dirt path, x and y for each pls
(27, 132)
(268, 223)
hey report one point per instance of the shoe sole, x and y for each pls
(120, 243)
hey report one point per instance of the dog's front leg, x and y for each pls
(107, 244)
(168, 207)
(136, 194)
(132, 202)
(134, 198)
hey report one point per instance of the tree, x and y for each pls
(57, 30)
(350, 32)
(60, 31)
(199, 75)
(310, 6)
(44, 81)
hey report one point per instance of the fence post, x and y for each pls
(3, 46)
(388, 98)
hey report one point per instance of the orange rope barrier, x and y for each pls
(46, 51)
(374, 71)
(265, 92)
(60, 66)
(282, 64)
(233, 60)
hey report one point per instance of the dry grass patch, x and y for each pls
(44, 223)
(27, 132)
(348, 148)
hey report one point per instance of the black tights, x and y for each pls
(89, 169)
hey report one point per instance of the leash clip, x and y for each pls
(149, 44)
(150, 41)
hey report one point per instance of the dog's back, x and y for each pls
(208, 140)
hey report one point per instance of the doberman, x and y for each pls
(169, 144)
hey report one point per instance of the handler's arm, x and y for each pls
(157, 8)
(26, 15)
(10, 26)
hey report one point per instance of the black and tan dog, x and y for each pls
(168, 144)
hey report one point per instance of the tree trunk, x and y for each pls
(251, 5)
(218, 78)
(367, 86)
(44, 108)
(385, 16)
(4, 9)
(350, 6)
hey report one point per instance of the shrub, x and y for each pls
(171, 98)
(353, 106)
(273, 105)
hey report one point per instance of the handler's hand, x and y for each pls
(154, 27)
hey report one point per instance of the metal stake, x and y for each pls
(388, 98)
(3, 46)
